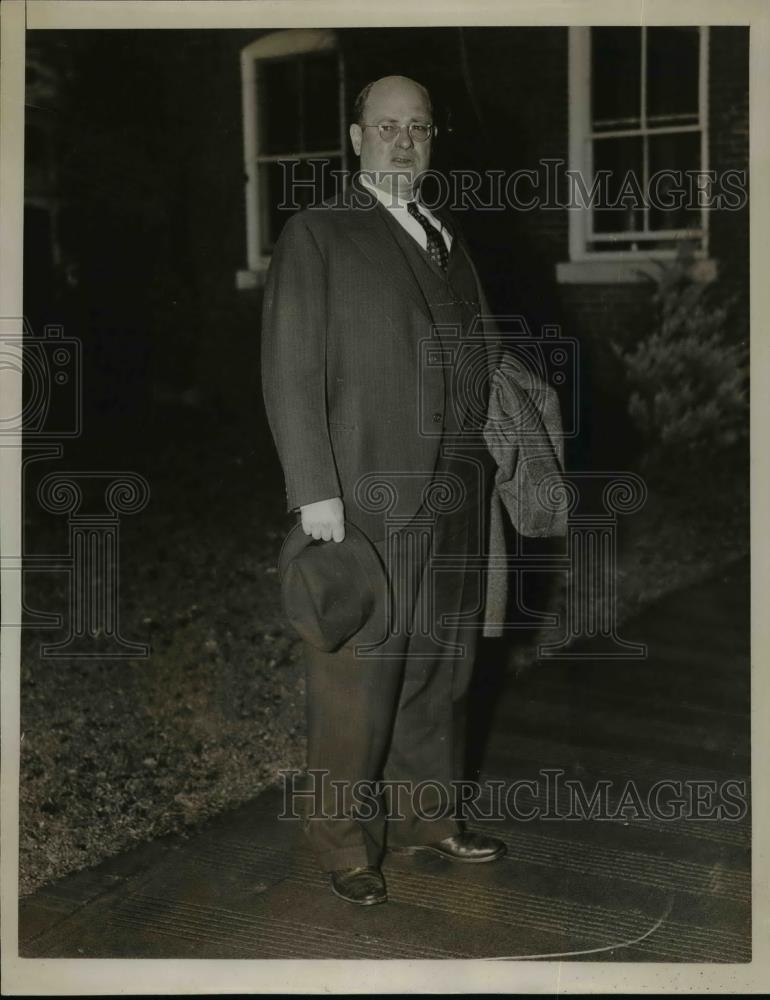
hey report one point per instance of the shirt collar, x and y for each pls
(388, 199)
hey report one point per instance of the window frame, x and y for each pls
(587, 264)
(275, 45)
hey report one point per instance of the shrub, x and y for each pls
(688, 378)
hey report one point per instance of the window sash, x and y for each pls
(280, 44)
(584, 133)
(639, 235)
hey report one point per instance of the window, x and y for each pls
(293, 112)
(638, 140)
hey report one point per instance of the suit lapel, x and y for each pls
(372, 233)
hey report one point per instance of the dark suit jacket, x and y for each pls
(346, 391)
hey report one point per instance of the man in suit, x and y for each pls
(373, 427)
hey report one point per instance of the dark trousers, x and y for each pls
(397, 711)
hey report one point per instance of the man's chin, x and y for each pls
(401, 181)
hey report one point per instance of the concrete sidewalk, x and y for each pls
(639, 888)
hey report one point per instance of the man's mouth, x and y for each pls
(403, 161)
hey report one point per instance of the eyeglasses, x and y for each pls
(418, 131)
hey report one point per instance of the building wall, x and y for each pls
(729, 149)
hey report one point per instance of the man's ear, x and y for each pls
(356, 137)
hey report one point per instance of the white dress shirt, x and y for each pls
(397, 208)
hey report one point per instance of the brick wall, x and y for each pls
(729, 149)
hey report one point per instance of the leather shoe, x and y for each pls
(364, 886)
(470, 848)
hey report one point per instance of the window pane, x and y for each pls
(621, 157)
(279, 105)
(615, 77)
(672, 74)
(299, 104)
(680, 152)
(275, 187)
(321, 102)
(37, 159)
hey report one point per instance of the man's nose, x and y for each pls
(404, 139)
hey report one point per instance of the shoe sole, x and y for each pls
(359, 902)
(448, 857)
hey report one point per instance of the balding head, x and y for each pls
(384, 85)
(399, 101)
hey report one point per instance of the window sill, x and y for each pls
(595, 271)
(246, 281)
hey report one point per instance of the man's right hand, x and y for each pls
(324, 519)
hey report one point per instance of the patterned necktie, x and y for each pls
(437, 250)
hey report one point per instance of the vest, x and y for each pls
(453, 301)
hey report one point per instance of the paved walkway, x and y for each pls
(643, 888)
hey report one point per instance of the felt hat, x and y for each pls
(334, 593)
